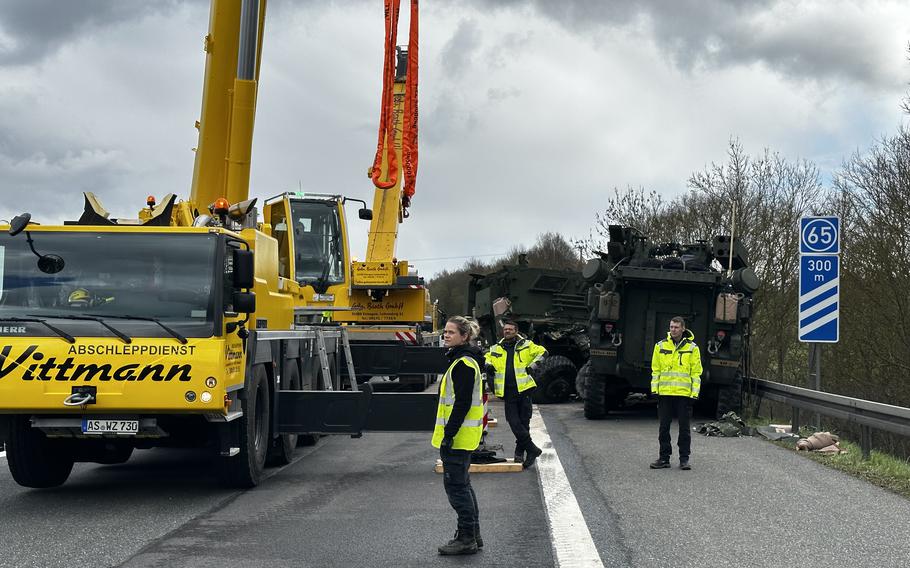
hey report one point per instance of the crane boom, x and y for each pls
(388, 212)
(222, 167)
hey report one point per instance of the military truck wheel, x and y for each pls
(581, 379)
(554, 379)
(245, 469)
(729, 398)
(595, 396)
(281, 451)
(34, 459)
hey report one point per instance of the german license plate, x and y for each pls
(110, 426)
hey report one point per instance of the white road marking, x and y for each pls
(569, 533)
(2, 454)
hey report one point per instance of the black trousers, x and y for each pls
(667, 407)
(457, 482)
(518, 414)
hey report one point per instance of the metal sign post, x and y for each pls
(819, 291)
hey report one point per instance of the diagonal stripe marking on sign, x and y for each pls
(804, 316)
(818, 291)
(803, 331)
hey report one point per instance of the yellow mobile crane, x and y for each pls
(178, 328)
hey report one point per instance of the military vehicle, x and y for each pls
(637, 287)
(549, 307)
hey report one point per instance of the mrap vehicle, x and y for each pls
(637, 287)
(548, 306)
(195, 324)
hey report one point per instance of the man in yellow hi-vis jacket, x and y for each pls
(510, 361)
(676, 380)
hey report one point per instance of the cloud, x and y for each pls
(805, 40)
(33, 29)
(458, 52)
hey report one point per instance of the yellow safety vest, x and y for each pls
(526, 352)
(676, 369)
(471, 430)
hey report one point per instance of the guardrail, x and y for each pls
(867, 414)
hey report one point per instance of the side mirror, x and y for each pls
(244, 302)
(244, 269)
(50, 263)
(19, 223)
(365, 214)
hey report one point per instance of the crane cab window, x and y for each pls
(279, 221)
(318, 249)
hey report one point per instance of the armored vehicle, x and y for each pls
(549, 307)
(636, 287)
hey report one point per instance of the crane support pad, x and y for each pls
(396, 358)
(354, 412)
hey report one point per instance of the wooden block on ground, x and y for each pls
(492, 423)
(507, 466)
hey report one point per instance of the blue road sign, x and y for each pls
(819, 235)
(819, 298)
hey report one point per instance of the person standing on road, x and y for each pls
(509, 362)
(459, 427)
(676, 380)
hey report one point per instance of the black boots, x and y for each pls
(519, 453)
(463, 543)
(660, 464)
(532, 453)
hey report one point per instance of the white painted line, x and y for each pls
(2, 454)
(569, 533)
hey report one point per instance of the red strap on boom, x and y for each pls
(409, 127)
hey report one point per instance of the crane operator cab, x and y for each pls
(312, 240)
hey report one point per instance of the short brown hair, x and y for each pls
(680, 320)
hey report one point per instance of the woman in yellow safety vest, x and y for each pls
(459, 426)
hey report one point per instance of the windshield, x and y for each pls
(169, 277)
(317, 241)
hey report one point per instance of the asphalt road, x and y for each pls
(375, 501)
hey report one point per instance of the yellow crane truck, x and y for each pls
(187, 326)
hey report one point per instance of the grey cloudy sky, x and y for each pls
(531, 110)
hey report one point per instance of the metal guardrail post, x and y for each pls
(866, 442)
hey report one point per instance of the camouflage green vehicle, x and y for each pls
(550, 309)
(637, 287)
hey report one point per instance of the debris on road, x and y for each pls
(821, 442)
(777, 432)
(730, 425)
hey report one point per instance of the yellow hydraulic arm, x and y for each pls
(378, 268)
(233, 48)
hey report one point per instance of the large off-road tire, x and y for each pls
(729, 398)
(595, 395)
(581, 379)
(245, 469)
(555, 380)
(34, 459)
(282, 448)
